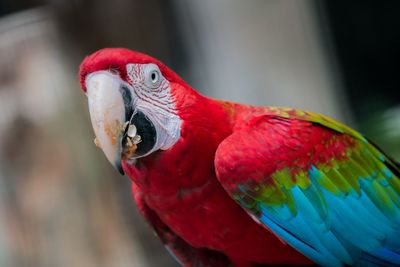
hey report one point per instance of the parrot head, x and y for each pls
(132, 103)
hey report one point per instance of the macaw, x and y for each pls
(227, 184)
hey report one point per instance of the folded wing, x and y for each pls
(318, 185)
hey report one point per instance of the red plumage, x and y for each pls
(180, 185)
(283, 143)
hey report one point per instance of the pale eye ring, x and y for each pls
(154, 77)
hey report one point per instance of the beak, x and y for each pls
(107, 113)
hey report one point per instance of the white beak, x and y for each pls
(107, 113)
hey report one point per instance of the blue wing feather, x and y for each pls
(345, 236)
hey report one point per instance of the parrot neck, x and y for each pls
(185, 171)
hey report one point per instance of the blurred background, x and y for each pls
(61, 204)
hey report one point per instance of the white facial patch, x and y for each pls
(152, 96)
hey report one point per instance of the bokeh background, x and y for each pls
(61, 204)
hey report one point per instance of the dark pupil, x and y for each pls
(153, 76)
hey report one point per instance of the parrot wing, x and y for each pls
(182, 252)
(316, 184)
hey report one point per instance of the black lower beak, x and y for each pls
(148, 137)
(147, 132)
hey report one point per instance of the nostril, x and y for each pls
(114, 71)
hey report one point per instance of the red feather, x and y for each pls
(180, 185)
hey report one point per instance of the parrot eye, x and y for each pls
(153, 75)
